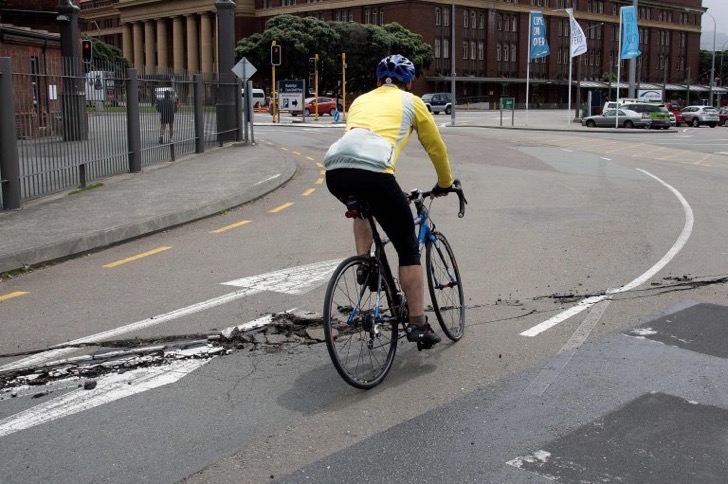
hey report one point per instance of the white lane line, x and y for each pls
(589, 302)
(293, 280)
(288, 281)
(108, 388)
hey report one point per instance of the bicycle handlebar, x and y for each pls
(456, 188)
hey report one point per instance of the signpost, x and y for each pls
(291, 96)
(507, 104)
(244, 70)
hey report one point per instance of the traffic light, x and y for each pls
(87, 50)
(311, 65)
(275, 55)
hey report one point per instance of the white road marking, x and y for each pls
(589, 302)
(293, 280)
(290, 281)
(108, 388)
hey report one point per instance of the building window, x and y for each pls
(481, 50)
(465, 49)
(437, 48)
(498, 52)
(266, 3)
(445, 49)
(381, 16)
(506, 23)
(473, 16)
(513, 53)
(438, 16)
(367, 14)
(505, 53)
(514, 23)
(500, 23)
(472, 50)
(446, 17)
(465, 19)
(481, 21)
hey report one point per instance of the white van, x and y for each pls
(258, 97)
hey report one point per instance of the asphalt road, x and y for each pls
(556, 222)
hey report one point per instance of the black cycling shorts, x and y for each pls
(387, 202)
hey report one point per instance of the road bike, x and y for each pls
(364, 306)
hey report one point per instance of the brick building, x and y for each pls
(30, 38)
(491, 39)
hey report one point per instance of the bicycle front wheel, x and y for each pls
(360, 324)
(446, 288)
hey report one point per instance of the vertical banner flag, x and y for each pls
(578, 39)
(539, 44)
(630, 34)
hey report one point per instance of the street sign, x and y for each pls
(290, 95)
(507, 103)
(244, 69)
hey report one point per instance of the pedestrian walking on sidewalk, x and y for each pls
(166, 107)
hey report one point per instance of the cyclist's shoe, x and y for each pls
(367, 275)
(424, 336)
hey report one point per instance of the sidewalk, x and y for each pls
(132, 205)
(171, 194)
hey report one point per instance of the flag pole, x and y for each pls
(528, 61)
(619, 65)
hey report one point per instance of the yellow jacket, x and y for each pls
(388, 115)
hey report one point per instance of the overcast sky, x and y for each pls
(719, 10)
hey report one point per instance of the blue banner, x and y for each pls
(630, 34)
(539, 44)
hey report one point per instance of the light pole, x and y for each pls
(712, 64)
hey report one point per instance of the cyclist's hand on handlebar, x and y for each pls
(438, 191)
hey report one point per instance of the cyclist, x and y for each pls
(362, 163)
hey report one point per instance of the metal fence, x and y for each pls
(71, 129)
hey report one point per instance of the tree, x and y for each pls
(303, 37)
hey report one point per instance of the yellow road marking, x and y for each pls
(323, 172)
(319, 181)
(284, 149)
(309, 158)
(135, 257)
(295, 152)
(10, 295)
(281, 207)
(230, 227)
(308, 192)
(320, 165)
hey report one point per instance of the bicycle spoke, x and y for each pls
(359, 334)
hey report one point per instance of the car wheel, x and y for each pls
(332, 112)
(448, 111)
(712, 125)
(696, 123)
(306, 112)
(628, 124)
(590, 123)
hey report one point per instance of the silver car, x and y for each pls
(700, 115)
(626, 119)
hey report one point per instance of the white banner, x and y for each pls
(578, 39)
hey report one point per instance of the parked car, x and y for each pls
(701, 115)
(610, 105)
(326, 105)
(438, 102)
(658, 113)
(625, 117)
(723, 117)
(675, 109)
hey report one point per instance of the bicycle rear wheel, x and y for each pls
(445, 285)
(360, 324)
